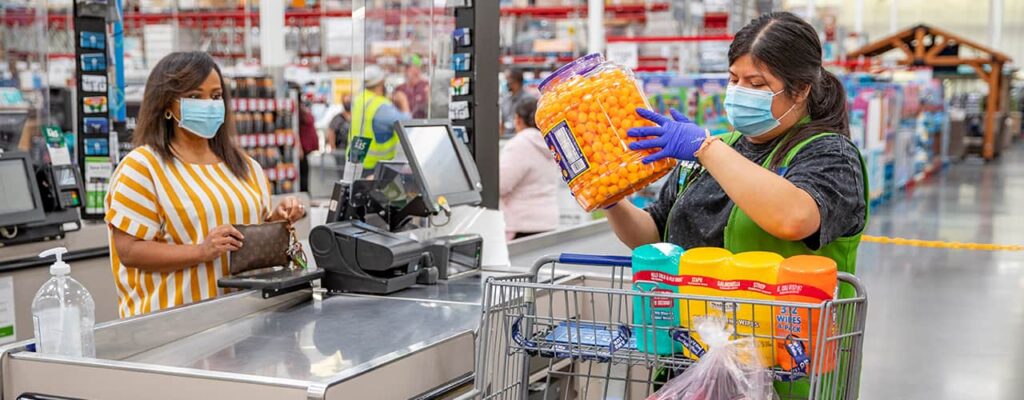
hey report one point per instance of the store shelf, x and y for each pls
(581, 10)
(506, 59)
(669, 39)
(222, 16)
(19, 54)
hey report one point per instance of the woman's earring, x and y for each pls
(167, 115)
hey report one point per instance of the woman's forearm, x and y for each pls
(633, 226)
(774, 203)
(152, 256)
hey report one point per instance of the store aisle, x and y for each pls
(948, 324)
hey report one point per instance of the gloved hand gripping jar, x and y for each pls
(585, 109)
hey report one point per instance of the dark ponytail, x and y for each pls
(789, 47)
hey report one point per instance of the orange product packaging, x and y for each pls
(805, 279)
(585, 109)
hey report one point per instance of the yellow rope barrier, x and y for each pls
(938, 244)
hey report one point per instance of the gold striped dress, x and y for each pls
(172, 201)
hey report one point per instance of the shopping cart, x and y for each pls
(573, 336)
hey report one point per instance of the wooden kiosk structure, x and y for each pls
(924, 45)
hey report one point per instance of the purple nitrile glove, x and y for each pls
(677, 137)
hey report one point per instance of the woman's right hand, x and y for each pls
(219, 241)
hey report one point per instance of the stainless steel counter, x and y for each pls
(342, 337)
(354, 346)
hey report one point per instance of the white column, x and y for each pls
(995, 22)
(272, 52)
(894, 13)
(858, 17)
(810, 10)
(595, 26)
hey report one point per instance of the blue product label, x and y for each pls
(592, 335)
(566, 150)
(691, 344)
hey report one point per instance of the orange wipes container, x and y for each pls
(812, 280)
(585, 109)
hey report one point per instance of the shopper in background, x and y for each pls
(337, 129)
(173, 200)
(511, 95)
(528, 179)
(415, 89)
(374, 117)
(789, 180)
(308, 141)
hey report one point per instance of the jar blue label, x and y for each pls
(566, 151)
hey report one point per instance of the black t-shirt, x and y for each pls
(829, 169)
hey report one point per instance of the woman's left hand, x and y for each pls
(289, 210)
(677, 137)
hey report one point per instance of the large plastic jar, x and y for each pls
(585, 109)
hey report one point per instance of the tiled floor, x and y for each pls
(948, 324)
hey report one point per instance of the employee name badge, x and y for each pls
(685, 169)
(566, 151)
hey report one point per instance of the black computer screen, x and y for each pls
(12, 124)
(16, 195)
(435, 151)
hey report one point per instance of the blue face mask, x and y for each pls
(750, 110)
(202, 117)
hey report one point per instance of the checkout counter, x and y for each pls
(416, 342)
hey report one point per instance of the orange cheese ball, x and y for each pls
(599, 109)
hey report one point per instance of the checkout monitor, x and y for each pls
(19, 201)
(441, 162)
(12, 124)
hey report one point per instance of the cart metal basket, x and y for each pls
(559, 341)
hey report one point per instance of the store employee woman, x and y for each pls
(173, 199)
(788, 180)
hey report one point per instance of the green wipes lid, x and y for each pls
(657, 252)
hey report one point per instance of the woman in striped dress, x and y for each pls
(173, 199)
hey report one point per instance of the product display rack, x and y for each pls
(267, 127)
(235, 26)
(646, 24)
(474, 29)
(97, 143)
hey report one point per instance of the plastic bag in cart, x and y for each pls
(730, 370)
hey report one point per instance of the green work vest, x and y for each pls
(743, 234)
(364, 108)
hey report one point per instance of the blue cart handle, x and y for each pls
(577, 259)
(593, 259)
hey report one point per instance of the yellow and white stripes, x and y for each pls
(175, 202)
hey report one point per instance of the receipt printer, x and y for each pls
(359, 257)
(362, 258)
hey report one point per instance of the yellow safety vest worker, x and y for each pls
(364, 108)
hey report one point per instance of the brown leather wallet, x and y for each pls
(265, 245)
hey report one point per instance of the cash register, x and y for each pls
(36, 202)
(364, 246)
